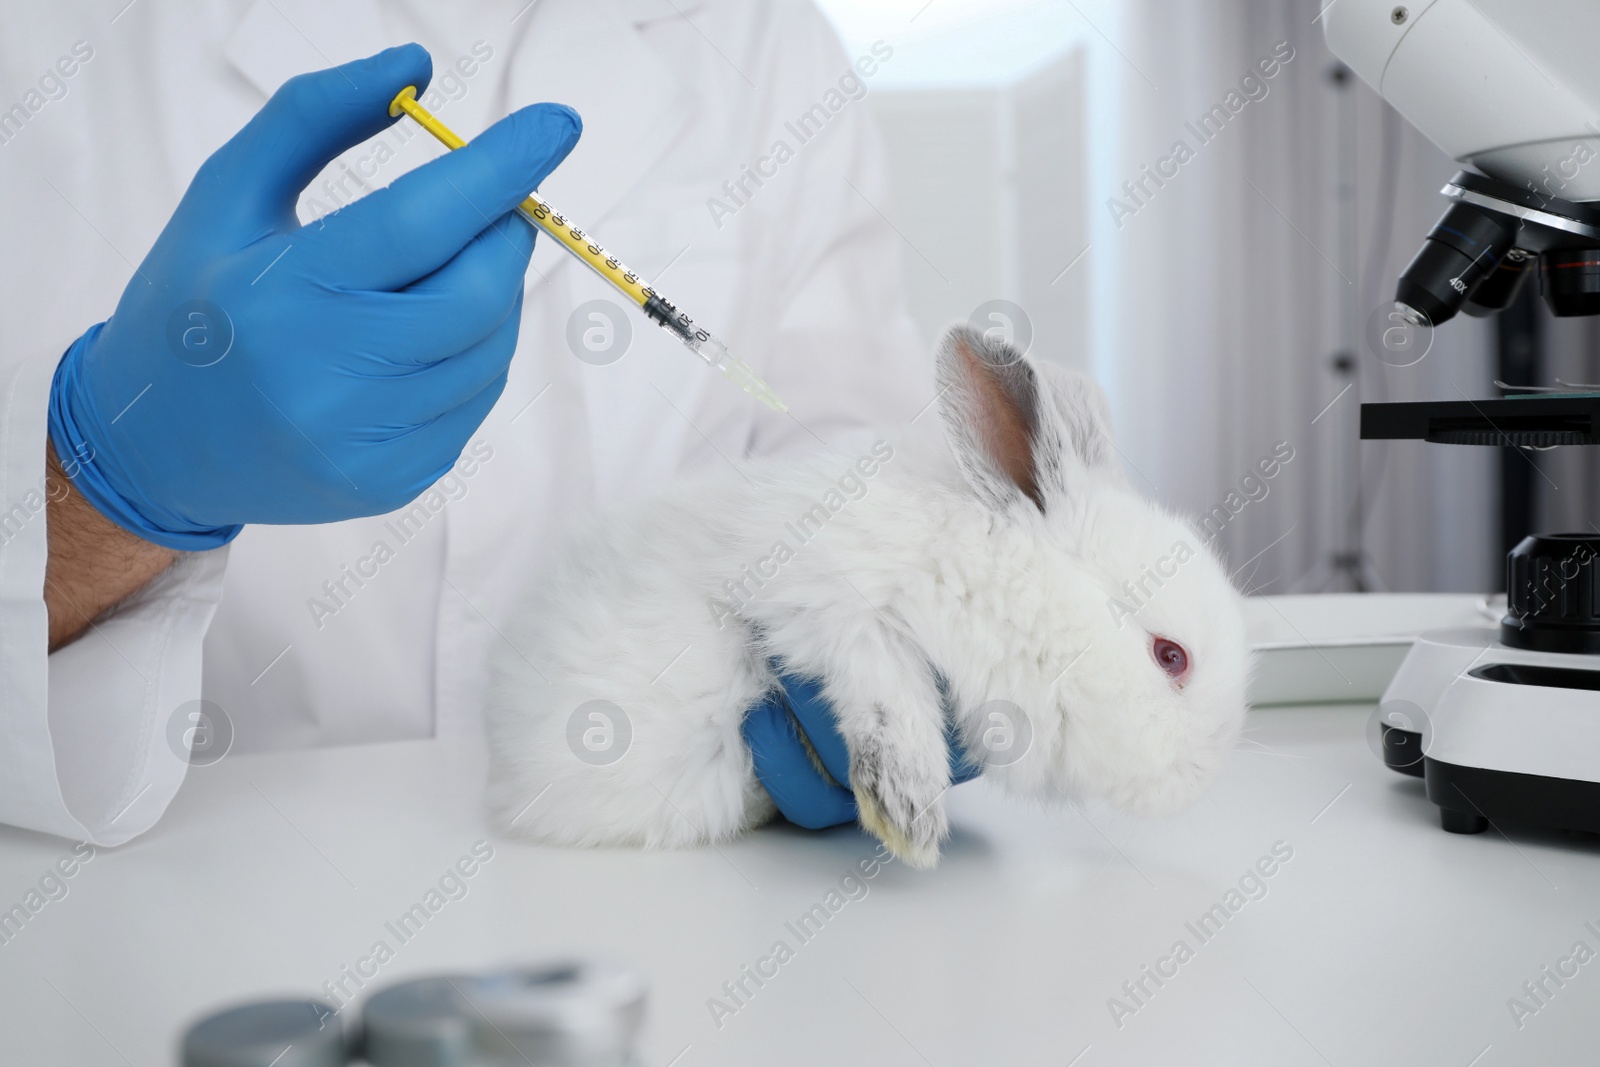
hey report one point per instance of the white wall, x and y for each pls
(989, 195)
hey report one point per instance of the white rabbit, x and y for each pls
(1084, 634)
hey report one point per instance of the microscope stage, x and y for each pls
(1541, 420)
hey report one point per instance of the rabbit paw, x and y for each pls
(900, 805)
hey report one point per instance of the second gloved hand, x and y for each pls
(778, 730)
(258, 371)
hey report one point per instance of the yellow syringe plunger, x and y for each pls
(661, 311)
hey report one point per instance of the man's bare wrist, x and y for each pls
(93, 563)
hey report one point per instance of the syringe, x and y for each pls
(538, 211)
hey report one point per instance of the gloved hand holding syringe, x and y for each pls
(260, 371)
(538, 211)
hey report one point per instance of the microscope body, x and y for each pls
(1502, 724)
(1509, 88)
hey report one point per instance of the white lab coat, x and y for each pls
(801, 278)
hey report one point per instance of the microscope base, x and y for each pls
(1497, 733)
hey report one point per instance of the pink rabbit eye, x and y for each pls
(1170, 657)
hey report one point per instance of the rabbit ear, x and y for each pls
(1085, 415)
(1020, 432)
(998, 426)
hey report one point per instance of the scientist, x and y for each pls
(286, 421)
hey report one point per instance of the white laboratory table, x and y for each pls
(1383, 940)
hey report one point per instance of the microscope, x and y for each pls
(1501, 723)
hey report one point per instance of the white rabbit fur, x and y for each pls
(1007, 571)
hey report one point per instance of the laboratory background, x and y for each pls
(1225, 307)
(1138, 457)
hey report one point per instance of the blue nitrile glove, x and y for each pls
(807, 798)
(259, 371)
